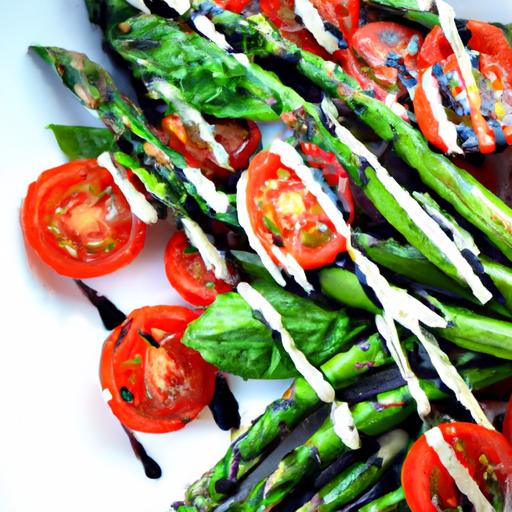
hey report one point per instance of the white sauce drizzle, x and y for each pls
(140, 5)
(191, 117)
(314, 376)
(245, 222)
(207, 28)
(344, 426)
(312, 20)
(139, 205)
(431, 229)
(180, 6)
(447, 20)
(292, 267)
(211, 256)
(447, 129)
(387, 329)
(217, 201)
(457, 471)
(391, 444)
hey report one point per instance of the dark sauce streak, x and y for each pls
(224, 406)
(151, 467)
(149, 339)
(110, 315)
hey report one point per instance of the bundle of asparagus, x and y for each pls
(183, 68)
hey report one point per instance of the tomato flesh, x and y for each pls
(187, 273)
(373, 43)
(284, 214)
(152, 381)
(485, 453)
(78, 221)
(239, 137)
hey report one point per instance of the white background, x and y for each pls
(60, 448)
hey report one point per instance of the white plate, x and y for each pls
(60, 448)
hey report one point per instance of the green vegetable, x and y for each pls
(230, 336)
(282, 416)
(80, 142)
(409, 9)
(96, 90)
(465, 328)
(209, 79)
(387, 503)
(371, 417)
(356, 479)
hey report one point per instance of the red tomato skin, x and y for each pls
(434, 49)
(171, 319)
(179, 269)
(263, 166)
(344, 15)
(233, 5)
(374, 41)
(507, 422)
(37, 236)
(422, 464)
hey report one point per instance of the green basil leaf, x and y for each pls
(230, 336)
(78, 142)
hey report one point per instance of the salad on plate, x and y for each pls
(332, 171)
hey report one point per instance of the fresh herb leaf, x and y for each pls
(229, 336)
(78, 142)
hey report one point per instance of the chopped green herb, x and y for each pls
(283, 174)
(190, 250)
(129, 362)
(269, 223)
(126, 394)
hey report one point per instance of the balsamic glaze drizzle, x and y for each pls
(224, 406)
(151, 467)
(110, 315)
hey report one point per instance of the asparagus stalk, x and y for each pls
(371, 417)
(409, 9)
(387, 503)
(465, 328)
(375, 417)
(167, 48)
(353, 481)
(472, 200)
(281, 417)
(96, 90)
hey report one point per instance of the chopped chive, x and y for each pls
(190, 250)
(126, 394)
(271, 226)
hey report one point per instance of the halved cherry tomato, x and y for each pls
(373, 43)
(79, 223)
(239, 137)
(282, 14)
(507, 422)
(485, 453)
(333, 172)
(233, 5)
(284, 213)
(187, 273)
(154, 383)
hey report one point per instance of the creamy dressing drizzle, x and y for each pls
(387, 329)
(447, 130)
(209, 253)
(422, 220)
(139, 205)
(292, 267)
(312, 20)
(344, 426)
(457, 471)
(314, 376)
(217, 201)
(140, 5)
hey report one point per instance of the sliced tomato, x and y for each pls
(187, 273)
(233, 5)
(239, 137)
(79, 223)
(373, 43)
(485, 453)
(283, 213)
(434, 49)
(152, 382)
(282, 14)
(333, 172)
(507, 423)
(342, 15)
